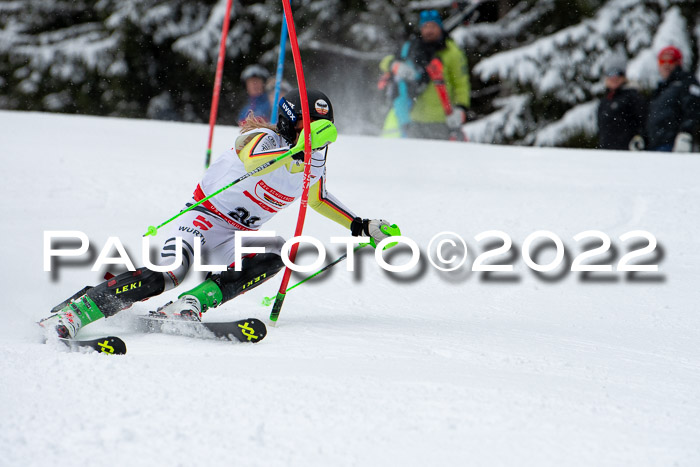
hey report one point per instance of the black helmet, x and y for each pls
(289, 111)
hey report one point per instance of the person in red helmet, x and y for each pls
(674, 107)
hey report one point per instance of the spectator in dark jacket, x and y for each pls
(674, 108)
(621, 110)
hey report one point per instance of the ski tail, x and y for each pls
(245, 330)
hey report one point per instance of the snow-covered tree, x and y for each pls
(107, 57)
(156, 58)
(554, 81)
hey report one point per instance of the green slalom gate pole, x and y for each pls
(322, 132)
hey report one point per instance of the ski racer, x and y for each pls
(247, 206)
(423, 115)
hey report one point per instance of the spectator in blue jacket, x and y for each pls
(254, 77)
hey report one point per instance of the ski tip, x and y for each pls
(250, 330)
(111, 345)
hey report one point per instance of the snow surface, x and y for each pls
(365, 368)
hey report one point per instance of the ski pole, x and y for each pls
(267, 301)
(322, 132)
(391, 230)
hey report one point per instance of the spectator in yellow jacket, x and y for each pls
(422, 114)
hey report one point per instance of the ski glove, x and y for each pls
(683, 143)
(376, 229)
(403, 71)
(456, 118)
(636, 143)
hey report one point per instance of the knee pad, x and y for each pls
(254, 271)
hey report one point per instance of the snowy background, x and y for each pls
(365, 368)
(536, 65)
(555, 80)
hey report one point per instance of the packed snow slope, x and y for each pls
(366, 368)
